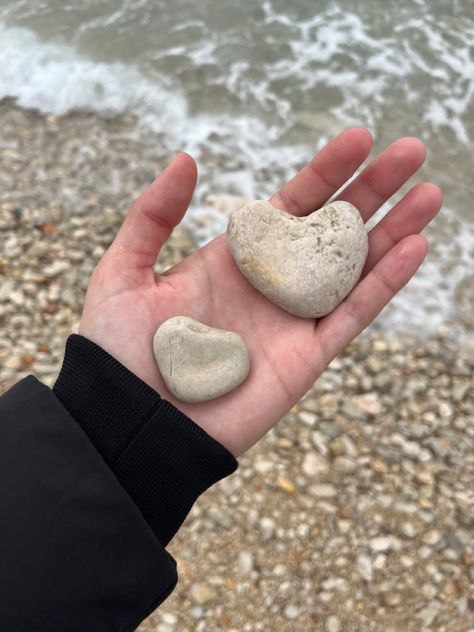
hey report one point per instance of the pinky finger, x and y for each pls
(335, 331)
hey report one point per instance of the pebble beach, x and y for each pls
(355, 513)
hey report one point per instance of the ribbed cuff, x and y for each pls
(160, 456)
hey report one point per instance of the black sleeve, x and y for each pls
(95, 477)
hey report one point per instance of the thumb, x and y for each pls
(155, 213)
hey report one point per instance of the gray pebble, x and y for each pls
(291, 611)
(431, 537)
(245, 561)
(307, 418)
(333, 624)
(385, 543)
(323, 490)
(313, 464)
(408, 530)
(169, 618)
(364, 566)
(428, 590)
(331, 428)
(267, 528)
(450, 554)
(198, 362)
(306, 265)
(430, 612)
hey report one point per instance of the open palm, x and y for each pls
(126, 302)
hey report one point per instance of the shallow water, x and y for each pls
(253, 89)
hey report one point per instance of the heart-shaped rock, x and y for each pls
(198, 362)
(306, 265)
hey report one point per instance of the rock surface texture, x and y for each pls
(198, 362)
(306, 265)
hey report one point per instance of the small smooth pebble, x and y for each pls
(245, 561)
(291, 611)
(333, 624)
(197, 362)
(202, 593)
(431, 537)
(313, 464)
(323, 490)
(385, 543)
(306, 265)
(267, 528)
(364, 566)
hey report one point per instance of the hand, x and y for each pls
(125, 302)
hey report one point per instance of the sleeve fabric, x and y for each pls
(87, 506)
(162, 458)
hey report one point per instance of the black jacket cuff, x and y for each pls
(161, 457)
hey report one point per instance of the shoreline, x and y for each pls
(355, 510)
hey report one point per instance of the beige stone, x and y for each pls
(198, 362)
(305, 265)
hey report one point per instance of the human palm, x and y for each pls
(126, 302)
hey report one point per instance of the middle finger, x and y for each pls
(384, 176)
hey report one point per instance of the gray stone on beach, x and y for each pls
(364, 566)
(306, 265)
(333, 624)
(197, 362)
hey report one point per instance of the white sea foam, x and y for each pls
(54, 78)
(429, 299)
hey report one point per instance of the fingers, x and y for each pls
(384, 176)
(155, 213)
(325, 174)
(415, 211)
(336, 163)
(334, 332)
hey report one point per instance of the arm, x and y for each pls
(76, 553)
(95, 479)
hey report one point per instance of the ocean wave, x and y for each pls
(360, 73)
(53, 78)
